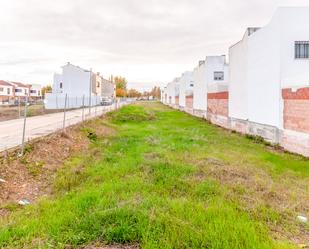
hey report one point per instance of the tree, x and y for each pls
(121, 85)
(120, 92)
(155, 93)
(120, 82)
(46, 89)
(133, 93)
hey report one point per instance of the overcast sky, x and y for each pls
(147, 41)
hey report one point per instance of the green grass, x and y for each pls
(157, 182)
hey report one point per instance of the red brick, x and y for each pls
(302, 93)
(189, 101)
(218, 95)
(176, 100)
(218, 103)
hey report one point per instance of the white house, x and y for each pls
(6, 92)
(20, 89)
(172, 90)
(200, 88)
(265, 64)
(211, 75)
(108, 89)
(186, 84)
(35, 91)
(78, 84)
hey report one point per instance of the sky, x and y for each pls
(149, 42)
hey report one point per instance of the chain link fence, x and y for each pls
(27, 127)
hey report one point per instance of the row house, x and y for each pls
(264, 90)
(186, 85)
(6, 92)
(81, 87)
(12, 91)
(210, 76)
(269, 80)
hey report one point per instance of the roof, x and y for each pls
(20, 84)
(4, 83)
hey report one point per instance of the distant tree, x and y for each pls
(121, 85)
(120, 93)
(133, 93)
(155, 92)
(46, 89)
(121, 82)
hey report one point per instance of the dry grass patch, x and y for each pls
(273, 200)
(32, 175)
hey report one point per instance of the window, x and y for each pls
(302, 50)
(1, 89)
(218, 75)
(98, 84)
(25, 91)
(60, 85)
(8, 90)
(39, 93)
(32, 91)
(18, 90)
(191, 85)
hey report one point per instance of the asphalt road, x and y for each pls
(11, 131)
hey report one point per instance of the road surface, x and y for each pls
(11, 131)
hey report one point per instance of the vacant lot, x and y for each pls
(163, 179)
(13, 112)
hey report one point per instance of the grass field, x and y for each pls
(164, 179)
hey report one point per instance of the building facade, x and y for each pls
(265, 89)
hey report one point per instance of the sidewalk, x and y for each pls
(11, 131)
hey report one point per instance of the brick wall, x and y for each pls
(296, 109)
(176, 100)
(189, 101)
(217, 103)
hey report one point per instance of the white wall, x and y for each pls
(264, 63)
(238, 87)
(217, 64)
(172, 90)
(5, 91)
(263, 79)
(57, 101)
(294, 27)
(37, 89)
(75, 81)
(200, 87)
(185, 87)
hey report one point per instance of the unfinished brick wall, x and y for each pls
(296, 109)
(189, 101)
(218, 103)
(176, 100)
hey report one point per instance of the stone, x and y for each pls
(24, 202)
(302, 219)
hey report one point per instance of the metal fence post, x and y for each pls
(90, 90)
(83, 111)
(24, 128)
(95, 108)
(64, 111)
(19, 112)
